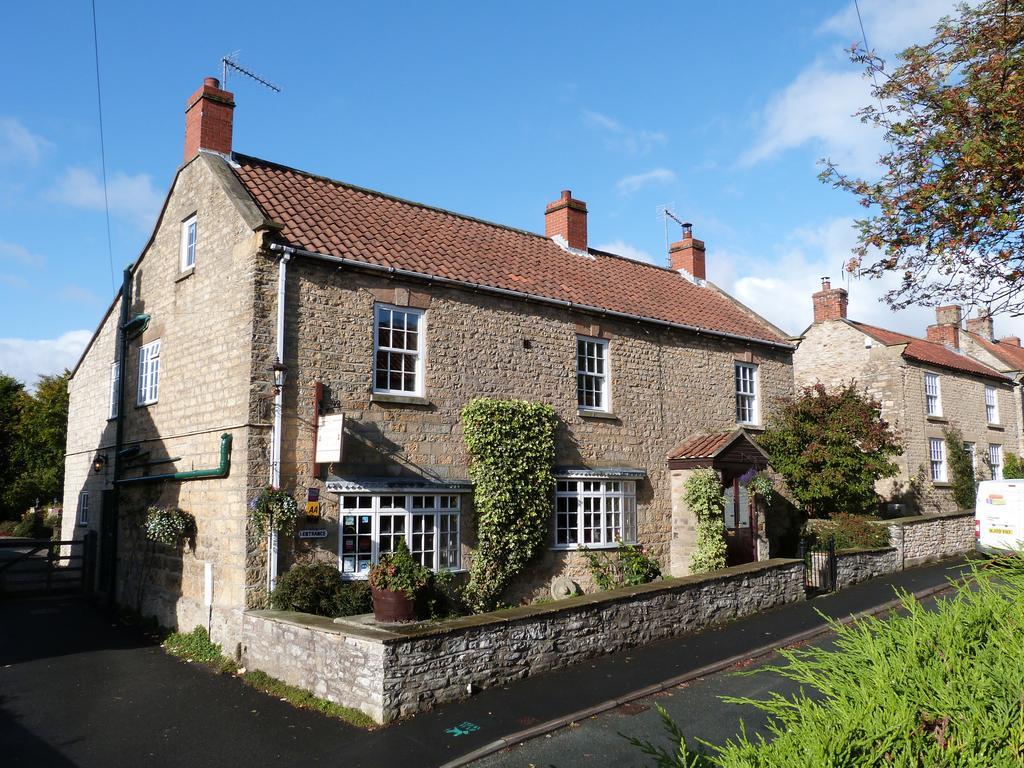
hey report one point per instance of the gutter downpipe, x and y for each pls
(222, 470)
(275, 446)
(110, 588)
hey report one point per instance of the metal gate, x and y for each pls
(42, 566)
(819, 565)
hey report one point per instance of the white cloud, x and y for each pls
(622, 248)
(132, 197)
(818, 108)
(19, 254)
(780, 288)
(18, 143)
(622, 138)
(28, 359)
(889, 26)
(631, 184)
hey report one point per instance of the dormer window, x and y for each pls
(188, 243)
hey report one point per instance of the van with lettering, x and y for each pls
(999, 517)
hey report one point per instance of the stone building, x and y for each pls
(285, 329)
(925, 386)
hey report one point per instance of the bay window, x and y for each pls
(594, 512)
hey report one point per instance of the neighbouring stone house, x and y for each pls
(270, 305)
(924, 385)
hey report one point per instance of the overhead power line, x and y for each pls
(103, 150)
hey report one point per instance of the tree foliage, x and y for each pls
(961, 469)
(702, 493)
(831, 447)
(33, 436)
(948, 209)
(511, 446)
(1013, 467)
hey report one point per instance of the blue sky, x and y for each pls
(484, 108)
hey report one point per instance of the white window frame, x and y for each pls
(395, 515)
(189, 241)
(149, 373)
(83, 508)
(971, 450)
(417, 353)
(937, 460)
(611, 501)
(991, 404)
(747, 400)
(115, 374)
(995, 460)
(932, 394)
(593, 354)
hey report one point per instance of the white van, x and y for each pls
(999, 516)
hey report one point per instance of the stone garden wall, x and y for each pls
(397, 672)
(923, 538)
(856, 565)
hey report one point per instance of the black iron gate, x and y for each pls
(819, 565)
(44, 566)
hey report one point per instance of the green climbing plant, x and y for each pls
(702, 493)
(511, 446)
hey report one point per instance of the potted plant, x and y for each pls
(394, 583)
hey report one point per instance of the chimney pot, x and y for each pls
(567, 218)
(830, 303)
(208, 119)
(688, 255)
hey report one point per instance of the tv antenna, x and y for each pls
(664, 212)
(230, 62)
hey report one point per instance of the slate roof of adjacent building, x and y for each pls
(1011, 354)
(337, 219)
(929, 352)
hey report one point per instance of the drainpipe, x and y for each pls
(275, 446)
(112, 525)
(219, 471)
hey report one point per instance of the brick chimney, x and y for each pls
(567, 217)
(947, 326)
(1010, 341)
(982, 325)
(830, 303)
(208, 117)
(688, 254)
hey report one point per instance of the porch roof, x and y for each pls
(706, 450)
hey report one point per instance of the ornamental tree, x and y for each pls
(947, 212)
(831, 447)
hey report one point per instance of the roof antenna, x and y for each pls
(665, 212)
(230, 62)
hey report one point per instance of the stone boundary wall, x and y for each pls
(856, 565)
(397, 672)
(923, 538)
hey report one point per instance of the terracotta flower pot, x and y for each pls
(392, 607)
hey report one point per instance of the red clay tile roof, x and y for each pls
(1011, 354)
(337, 219)
(930, 352)
(702, 446)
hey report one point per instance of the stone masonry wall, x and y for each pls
(922, 539)
(666, 385)
(397, 673)
(835, 352)
(203, 317)
(856, 565)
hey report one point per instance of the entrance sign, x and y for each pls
(313, 533)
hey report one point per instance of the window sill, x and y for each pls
(750, 427)
(185, 274)
(999, 427)
(942, 484)
(581, 547)
(382, 397)
(146, 405)
(590, 413)
(937, 419)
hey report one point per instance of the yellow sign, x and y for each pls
(312, 509)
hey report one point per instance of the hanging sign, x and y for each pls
(312, 509)
(329, 437)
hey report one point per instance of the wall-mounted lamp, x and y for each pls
(280, 371)
(99, 462)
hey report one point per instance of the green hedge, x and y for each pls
(318, 588)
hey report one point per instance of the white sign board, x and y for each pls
(330, 434)
(313, 533)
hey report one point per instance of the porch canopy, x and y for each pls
(731, 452)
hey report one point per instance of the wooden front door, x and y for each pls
(740, 524)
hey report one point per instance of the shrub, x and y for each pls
(702, 493)
(318, 588)
(7, 527)
(627, 565)
(831, 447)
(511, 445)
(30, 526)
(1013, 467)
(961, 469)
(939, 685)
(398, 572)
(850, 532)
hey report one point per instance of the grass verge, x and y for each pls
(196, 646)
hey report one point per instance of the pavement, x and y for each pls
(77, 690)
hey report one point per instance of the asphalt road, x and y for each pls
(77, 690)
